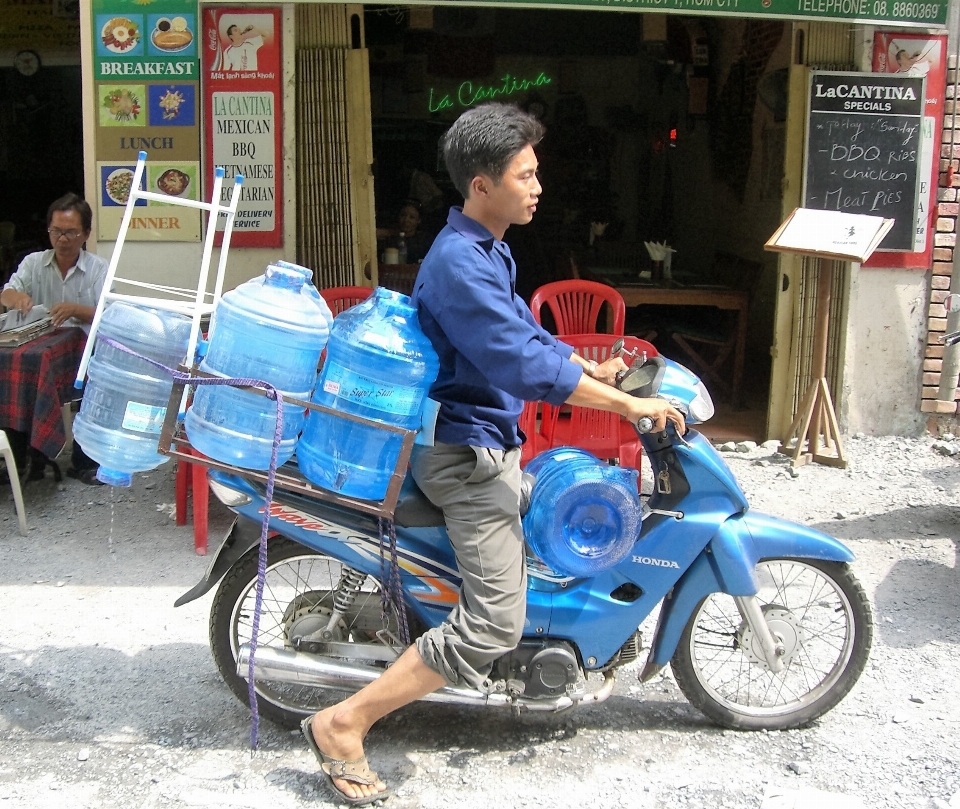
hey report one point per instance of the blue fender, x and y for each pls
(727, 565)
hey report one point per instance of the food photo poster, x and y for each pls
(147, 74)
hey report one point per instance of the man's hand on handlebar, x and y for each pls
(607, 371)
(658, 411)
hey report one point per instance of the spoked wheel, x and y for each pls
(816, 610)
(298, 600)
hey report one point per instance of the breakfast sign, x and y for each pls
(147, 72)
(240, 60)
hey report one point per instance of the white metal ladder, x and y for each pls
(194, 303)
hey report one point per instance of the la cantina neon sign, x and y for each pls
(467, 94)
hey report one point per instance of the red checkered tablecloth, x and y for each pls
(36, 379)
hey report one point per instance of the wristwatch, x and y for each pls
(592, 368)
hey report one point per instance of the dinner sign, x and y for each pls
(146, 74)
(240, 60)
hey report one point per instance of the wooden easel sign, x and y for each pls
(828, 237)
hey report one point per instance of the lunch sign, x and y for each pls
(147, 72)
(928, 14)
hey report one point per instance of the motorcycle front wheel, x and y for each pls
(298, 599)
(819, 613)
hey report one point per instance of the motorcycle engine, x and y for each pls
(544, 668)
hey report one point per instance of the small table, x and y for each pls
(728, 299)
(36, 380)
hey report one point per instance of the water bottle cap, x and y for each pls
(289, 265)
(114, 477)
(283, 277)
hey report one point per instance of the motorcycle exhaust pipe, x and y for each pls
(283, 665)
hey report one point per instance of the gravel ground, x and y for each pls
(109, 696)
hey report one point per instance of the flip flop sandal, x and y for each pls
(356, 771)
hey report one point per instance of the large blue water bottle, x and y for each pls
(310, 289)
(125, 398)
(264, 329)
(380, 366)
(584, 514)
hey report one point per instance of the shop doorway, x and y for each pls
(660, 128)
(41, 153)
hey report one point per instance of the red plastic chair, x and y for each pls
(605, 434)
(340, 299)
(193, 476)
(576, 305)
(533, 425)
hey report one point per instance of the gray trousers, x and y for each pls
(478, 490)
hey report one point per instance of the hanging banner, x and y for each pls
(918, 55)
(883, 12)
(242, 94)
(146, 72)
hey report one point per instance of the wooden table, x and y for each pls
(36, 380)
(727, 299)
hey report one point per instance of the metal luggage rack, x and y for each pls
(174, 443)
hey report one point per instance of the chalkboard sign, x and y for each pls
(863, 148)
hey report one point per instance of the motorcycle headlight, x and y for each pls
(701, 408)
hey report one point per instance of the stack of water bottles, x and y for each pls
(273, 329)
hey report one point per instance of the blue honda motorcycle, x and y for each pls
(762, 621)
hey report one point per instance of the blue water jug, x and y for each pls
(309, 289)
(380, 366)
(264, 329)
(584, 514)
(125, 398)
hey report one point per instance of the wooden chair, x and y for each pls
(339, 299)
(605, 434)
(710, 344)
(398, 277)
(576, 304)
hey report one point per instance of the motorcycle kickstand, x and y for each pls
(773, 648)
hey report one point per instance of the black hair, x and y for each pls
(484, 140)
(72, 202)
(230, 28)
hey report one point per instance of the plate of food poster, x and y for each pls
(173, 179)
(120, 35)
(171, 34)
(121, 105)
(116, 184)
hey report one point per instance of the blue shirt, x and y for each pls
(493, 354)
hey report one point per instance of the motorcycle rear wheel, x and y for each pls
(299, 584)
(821, 614)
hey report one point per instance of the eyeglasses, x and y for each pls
(57, 234)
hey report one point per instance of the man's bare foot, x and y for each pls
(338, 738)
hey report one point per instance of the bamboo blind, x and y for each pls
(829, 46)
(326, 240)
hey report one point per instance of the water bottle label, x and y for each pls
(143, 418)
(398, 399)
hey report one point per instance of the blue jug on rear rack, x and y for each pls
(125, 397)
(380, 366)
(265, 329)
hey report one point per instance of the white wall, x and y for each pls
(885, 338)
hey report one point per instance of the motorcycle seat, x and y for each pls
(414, 509)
